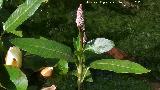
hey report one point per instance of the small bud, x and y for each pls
(14, 57)
(47, 72)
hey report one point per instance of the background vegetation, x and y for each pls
(134, 29)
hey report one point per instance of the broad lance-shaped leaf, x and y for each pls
(44, 48)
(22, 13)
(119, 66)
(13, 78)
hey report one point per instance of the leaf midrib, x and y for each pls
(48, 49)
(117, 65)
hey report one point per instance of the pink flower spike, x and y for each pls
(80, 18)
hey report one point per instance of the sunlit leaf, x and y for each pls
(44, 48)
(22, 13)
(119, 66)
(13, 78)
(17, 32)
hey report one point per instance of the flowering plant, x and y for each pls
(98, 46)
(60, 52)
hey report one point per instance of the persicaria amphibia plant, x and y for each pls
(98, 46)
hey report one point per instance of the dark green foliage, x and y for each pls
(35, 62)
(117, 82)
(103, 82)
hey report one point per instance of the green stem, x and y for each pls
(79, 85)
(80, 60)
(81, 39)
(80, 72)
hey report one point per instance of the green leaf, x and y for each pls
(89, 79)
(13, 78)
(88, 76)
(119, 66)
(18, 33)
(44, 48)
(99, 45)
(63, 66)
(1, 2)
(22, 13)
(76, 43)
